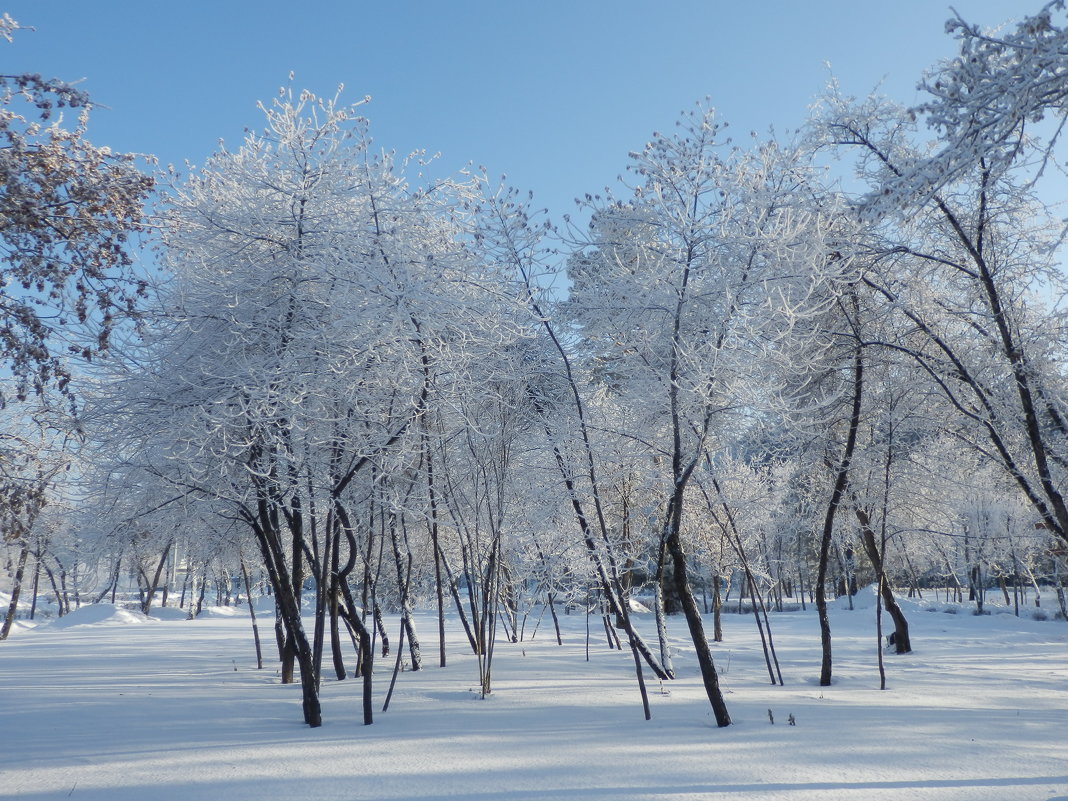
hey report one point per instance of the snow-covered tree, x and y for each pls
(318, 307)
(966, 272)
(683, 293)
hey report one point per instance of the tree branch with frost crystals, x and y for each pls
(319, 300)
(67, 213)
(963, 221)
(508, 237)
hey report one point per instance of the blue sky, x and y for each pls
(555, 94)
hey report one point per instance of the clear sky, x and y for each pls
(554, 94)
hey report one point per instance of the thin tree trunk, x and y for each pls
(60, 609)
(760, 612)
(879, 632)
(841, 478)
(203, 587)
(717, 610)
(252, 615)
(396, 668)
(333, 608)
(556, 620)
(16, 590)
(150, 591)
(36, 584)
(267, 535)
(457, 600)
(404, 577)
(439, 590)
(367, 649)
(660, 612)
(902, 642)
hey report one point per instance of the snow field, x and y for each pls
(107, 705)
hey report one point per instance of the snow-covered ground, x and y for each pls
(105, 704)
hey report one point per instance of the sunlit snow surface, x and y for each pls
(109, 705)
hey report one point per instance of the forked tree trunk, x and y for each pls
(347, 610)
(288, 604)
(333, 607)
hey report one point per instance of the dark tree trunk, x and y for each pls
(153, 584)
(556, 620)
(717, 610)
(333, 599)
(660, 611)
(609, 581)
(760, 612)
(439, 590)
(355, 622)
(203, 587)
(367, 651)
(252, 615)
(902, 643)
(689, 607)
(36, 584)
(457, 600)
(296, 584)
(840, 480)
(16, 590)
(404, 576)
(287, 599)
(60, 606)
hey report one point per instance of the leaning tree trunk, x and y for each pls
(16, 590)
(352, 617)
(333, 600)
(841, 478)
(902, 643)
(404, 578)
(153, 583)
(296, 584)
(288, 604)
(252, 614)
(689, 608)
(660, 611)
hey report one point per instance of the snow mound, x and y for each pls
(97, 615)
(638, 607)
(223, 611)
(23, 625)
(168, 613)
(865, 599)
